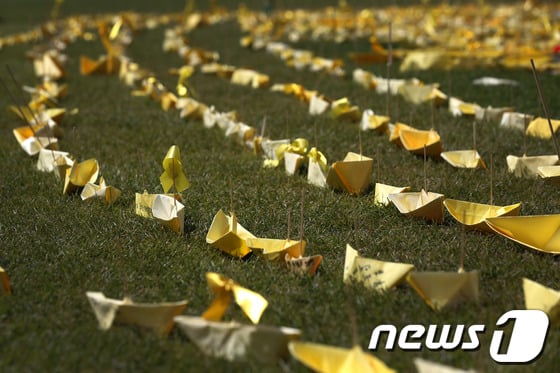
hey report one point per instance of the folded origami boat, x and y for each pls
(427, 205)
(473, 215)
(539, 232)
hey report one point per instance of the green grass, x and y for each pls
(56, 247)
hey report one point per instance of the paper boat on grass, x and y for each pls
(382, 192)
(228, 235)
(539, 128)
(395, 133)
(54, 161)
(318, 105)
(550, 174)
(106, 65)
(373, 274)
(157, 317)
(415, 141)
(317, 168)
(303, 264)
(427, 205)
(473, 215)
(352, 174)
(109, 193)
(464, 159)
(370, 121)
(426, 366)
(275, 249)
(32, 144)
(330, 359)
(144, 203)
(529, 166)
(169, 212)
(80, 174)
(237, 342)
(4, 282)
(539, 232)
(293, 162)
(540, 297)
(444, 289)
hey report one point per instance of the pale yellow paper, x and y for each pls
(415, 141)
(109, 193)
(318, 105)
(317, 168)
(275, 249)
(253, 304)
(342, 109)
(54, 160)
(445, 289)
(293, 162)
(238, 342)
(464, 159)
(425, 59)
(33, 144)
(382, 192)
(473, 215)
(228, 235)
(550, 174)
(528, 167)
(330, 359)
(419, 94)
(539, 128)
(373, 274)
(169, 212)
(426, 366)
(395, 133)
(48, 67)
(491, 113)
(249, 77)
(427, 205)
(5, 287)
(539, 232)
(303, 265)
(352, 174)
(173, 175)
(370, 121)
(157, 317)
(515, 120)
(80, 174)
(540, 297)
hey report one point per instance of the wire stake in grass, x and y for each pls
(301, 225)
(425, 178)
(289, 221)
(524, 134)
(263, 126)
(491, 178)
(462, 244)
(389, 64)
(545, 108)
(474, 135)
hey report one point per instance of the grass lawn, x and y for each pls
(56, 247)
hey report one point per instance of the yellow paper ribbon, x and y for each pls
(173, 175)
(318, 157)
(183, 88)
(253, 304)
(298, 146)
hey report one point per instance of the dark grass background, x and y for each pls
(55, 247)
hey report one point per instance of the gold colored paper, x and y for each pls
(169, 212)
(275, 249)
(173, 175)
(415, 141)
(317, 168)
(228, 235)
(395, 133)
(528, 167)
(540, 297)
(54, 161)
(539, 128)
(427, 205)
(473, 215)
(108, 193)
(343, 110)
(464, 159)
(539, 232)
(352, 174)
(382, 192)
(80, 174)
(32, 144)
(378, 123)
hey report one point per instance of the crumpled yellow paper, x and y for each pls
(80, 174)
(343, 110)
(293, 154)
(445, 289)
(463, 159)
(54, 161)
(540, 297)
(248, 77)
(303, 265)
(528, 167)
(238, 342)
(157, 317)
(253, 304)
(539, 232)
(31, 143)
(169, 212)
(382, 191)
(330, 359)
(228, 235)
(373, 274)
(173, 175)
(352, 174)
(473, 215)
(5, 287)
(427, 205)
(144, 203)
(109, 193)
(275, 249)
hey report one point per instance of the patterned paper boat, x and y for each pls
(228, 235)
(464, 159)
(528, 167)
(415, 140)
(550, 174)
(330, 359)
(427, 205)
(539, 232)
(157, 317)
(5, 287)
(473, 215)
(237, 342)
(382, 192)
(303, 264)
(540, 297)
(352, 174)
(445, 289)
(373, 274)
(276, 249)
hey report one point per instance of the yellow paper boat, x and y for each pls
(370, 121)
(317, 172)
(318, 105)
(237, 342)
(157, 317)
(5, 287)
(373, 274)
(275, 249)
(426, 366)
(190, 108)
(539, 128)
(528, 167)
(427, 205)
(54, 161)
(303, 264)
(352, 174)
(550, 174)
(395, 133)
(228, 235)
(540, 297)
(80, 174)
(445, 289)
(419, 94)
(415, 140)
(539, 232)
(106, 65)
(32, 144)
(330, 359)
(108, 193)
(382, 192)
(473, 215)
(293, 162)
(169, 212)
(249, 77)
(144, 203)
(464, 159)
(342, 109)
(48, 67)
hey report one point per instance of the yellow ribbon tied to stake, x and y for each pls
(253, 304)
(173, 175)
